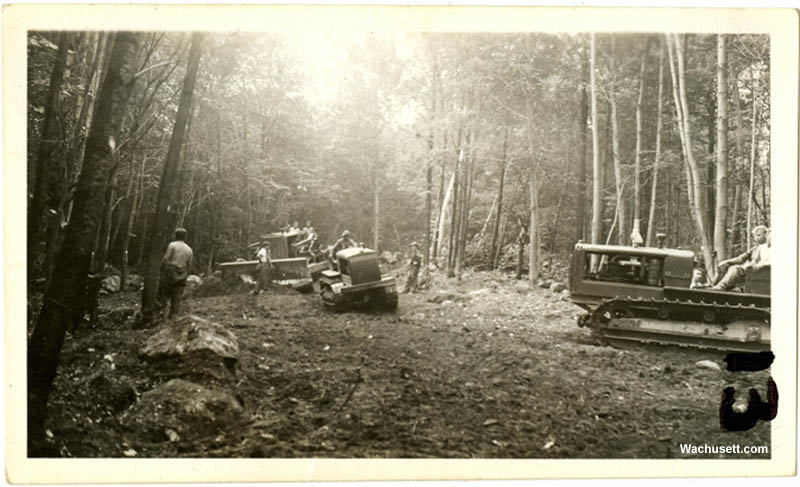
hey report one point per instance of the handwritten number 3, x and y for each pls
(757, 409)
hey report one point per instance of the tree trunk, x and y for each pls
(622, 210)
(437, 238)
(720, 226)
(651, 219)
(580, 228)
(496, 230)
(597, 199)
(533, 231)
(64, 298)
(126, 237)
(469, 167)
(428, 202)
(454, 217)
(699, 207)
(376, 205)
(445, 205)
(751, 191)
(637, 165)
(158, 225)
(48, 168)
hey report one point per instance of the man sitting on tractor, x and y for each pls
(754, 259)
(345, 242)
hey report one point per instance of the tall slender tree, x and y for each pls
(721, 214)
(64, 300)
(597, 199)
(48, 167)
(651, 219)
(158, 225)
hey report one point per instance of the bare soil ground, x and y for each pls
(489, 368)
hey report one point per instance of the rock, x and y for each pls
(194, 348)
(110, 284)
(707, 364)
(120, 315)
(522, 287)
(544, 283)
(211, 286)
(557, 287)
(194, 280)
(133, 282)
(189, 410)
(446, 302)
(443, 296)
(479, 292)
(388, 258)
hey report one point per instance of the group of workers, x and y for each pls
(177, 263)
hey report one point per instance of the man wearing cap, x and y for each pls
(661, 240)
(752, 260)
(175, 267)
(345, 242)
(414, 263)
(264, 264)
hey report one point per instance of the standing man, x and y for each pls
(414, 264)
(175, 267)
(264, 265)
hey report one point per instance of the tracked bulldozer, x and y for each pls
(357, 282)
(642, 296)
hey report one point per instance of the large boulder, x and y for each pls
(557, 287)
(110, 284)
(388, 258)
(211, 286)
(180, 409)
(193, 282)
(195, 349)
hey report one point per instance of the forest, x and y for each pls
(492, 151)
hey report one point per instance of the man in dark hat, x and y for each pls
(264, 264)
(414, 263)
(345, 242)
(175, 267)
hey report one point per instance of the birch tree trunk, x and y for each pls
(637, 165)
(597, 201)
(751, 191)
(443, 214)
(699, 208)
(580, 216)
(720, 225)
(622, 210)
(651, 219)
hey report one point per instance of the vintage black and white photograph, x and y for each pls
(400, 243)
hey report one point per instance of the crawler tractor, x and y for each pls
(358, 282)
(642, 295)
